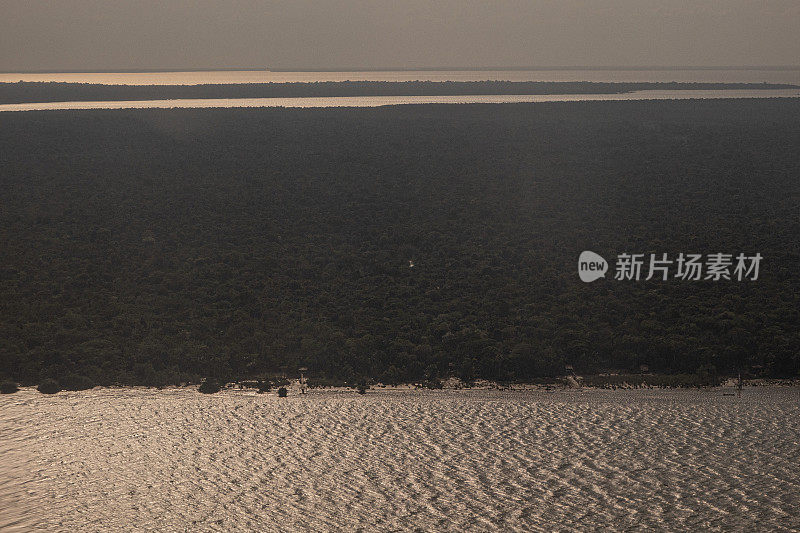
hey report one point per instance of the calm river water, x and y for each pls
(175, 460)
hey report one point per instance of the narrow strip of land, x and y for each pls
(26, 92)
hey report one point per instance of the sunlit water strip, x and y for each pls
(377, 101)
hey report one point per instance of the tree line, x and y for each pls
(398, 244)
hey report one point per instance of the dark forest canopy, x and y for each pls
(159, 246)
(21, 92)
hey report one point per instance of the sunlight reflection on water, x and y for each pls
(398, 460)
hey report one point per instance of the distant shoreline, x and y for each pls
(542, 68)
(41, 92)
(139, 71)
(411, 69)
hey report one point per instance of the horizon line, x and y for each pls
(412, 69)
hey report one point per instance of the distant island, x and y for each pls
(26, 92)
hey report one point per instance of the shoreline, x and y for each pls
(450, 385)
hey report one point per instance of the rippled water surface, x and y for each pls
(176, 460)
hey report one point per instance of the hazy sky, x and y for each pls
(141, 34)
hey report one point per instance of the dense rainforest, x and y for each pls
(397, 243)
(21, 92)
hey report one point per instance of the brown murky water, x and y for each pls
(175, 460)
